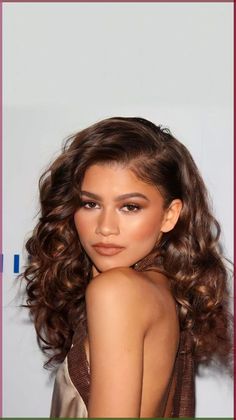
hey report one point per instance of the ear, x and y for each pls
(171, 215)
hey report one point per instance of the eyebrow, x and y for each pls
(119, 198)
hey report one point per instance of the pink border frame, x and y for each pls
(1, 164)
(1, 161)
(120, 1)
(234, 76)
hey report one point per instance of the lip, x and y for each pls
(104, 245)
(107, 249)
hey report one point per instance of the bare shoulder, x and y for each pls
(117, 285)
(146, 294)
(120, 282)
(113, 280)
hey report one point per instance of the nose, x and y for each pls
(107, 223)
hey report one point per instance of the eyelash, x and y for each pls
(135, 207)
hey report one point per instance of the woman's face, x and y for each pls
(121, 217)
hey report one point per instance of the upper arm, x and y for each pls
(116, 334)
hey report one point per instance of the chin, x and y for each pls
(105, 263)
(104, 267)
(108, 265)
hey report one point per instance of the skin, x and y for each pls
(135, 223)
(133, 336)
(132, 320)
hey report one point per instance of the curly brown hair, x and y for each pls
(58, 269)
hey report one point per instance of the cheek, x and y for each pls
(147, 227)
(81, 224)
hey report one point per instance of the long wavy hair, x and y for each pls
(58, 270)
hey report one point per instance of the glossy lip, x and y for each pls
(103, 245)
(107, 249)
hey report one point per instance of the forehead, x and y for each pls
(115, 179)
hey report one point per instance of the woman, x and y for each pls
(125, 282)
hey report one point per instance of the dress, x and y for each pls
(71, 388)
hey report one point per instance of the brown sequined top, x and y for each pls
(71, 388)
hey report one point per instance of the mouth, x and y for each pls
(107, 249)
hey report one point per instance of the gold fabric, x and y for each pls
(66, 400)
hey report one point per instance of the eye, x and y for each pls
(89, 204)
(131, 208)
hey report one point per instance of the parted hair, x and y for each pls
(58, 269)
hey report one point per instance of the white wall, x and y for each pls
(67, 65)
